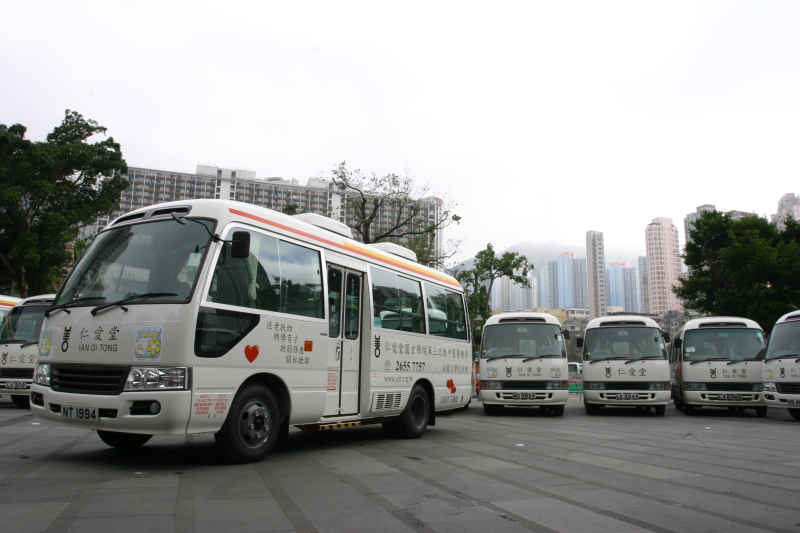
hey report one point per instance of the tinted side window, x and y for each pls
(445, 310)
(397, 302)
(276, 276)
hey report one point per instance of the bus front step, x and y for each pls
(321, 427)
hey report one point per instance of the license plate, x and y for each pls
(15, 385)
(79, 413)
(523, 396)
(731, 397)
(627, 396)
(793, 402)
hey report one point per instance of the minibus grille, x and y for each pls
(524, 385)
(729, 386)
(788, 388)
(88, 379)
(17, 373)
(627, 385)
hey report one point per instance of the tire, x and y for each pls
(761, 412)
(661, 410)
(411, 424)
(252, 426)
(22, 401)
(123, 441)
(795, 413)
(558, 410)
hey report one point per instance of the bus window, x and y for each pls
(445, 313)
(352, 306)
(397, 302)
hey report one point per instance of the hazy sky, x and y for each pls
(542, 119)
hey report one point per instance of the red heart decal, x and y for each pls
(251, 352)
(451, 386)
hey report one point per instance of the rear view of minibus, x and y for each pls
(524, 363)
(716, 362)
(624, 364)
(782, 365)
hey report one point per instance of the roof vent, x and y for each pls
(128, 218)
(395, 249)
(723, 325)
(793, 317)
(326, 223)
(622, 323)
(523, 319)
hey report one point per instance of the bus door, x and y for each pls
(344, 331)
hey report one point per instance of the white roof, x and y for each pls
(622, 321)
(522, 317)
(732, 321)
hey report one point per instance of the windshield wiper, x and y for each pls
(709, 359)
(72, 303)
(740, 360)
(540, 357)
(612, 358)
(29, 343)
(642, 358)
(504, 356)
(144, 296)
(788, 355)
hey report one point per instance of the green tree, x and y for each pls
(746, 268)
(367, 197)
(479, 280)
(289, 209)
(48, 190)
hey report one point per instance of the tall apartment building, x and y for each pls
(596, 274)
(623, 286)
(789, 204)
(563, 283)
(630, 277)
(663, 265)
(152, 186)
(507, 295)
(691, 218)
(644, 289)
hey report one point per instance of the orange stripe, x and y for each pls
(352, 248)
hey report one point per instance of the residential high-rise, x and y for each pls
(644, 289)
(789, 204)
(663, 265)
(689, 220)
(562, 283)
(596, 274)
(630, 277)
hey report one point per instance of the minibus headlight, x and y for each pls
(694, 386)
(557, 385)
(769, 387)
(491, 385)
(758, 387)
(660, 385)
(42, 374)
(594, 385)
(157, 378)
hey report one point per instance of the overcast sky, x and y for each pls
(542, 120)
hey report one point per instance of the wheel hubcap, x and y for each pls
(254, 424)
(418, 412)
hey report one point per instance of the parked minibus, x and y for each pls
(782, 365)
(6, 303)
(624, 364)
(715, 362)
(19, 339)
(211, 316)
(524, 363)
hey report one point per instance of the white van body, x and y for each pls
(625, 364)
(715, 363)
(19, 344)
(782, 365)
(171, 324)
(523, 362)
(6, 303)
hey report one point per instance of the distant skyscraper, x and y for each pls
(644, 290)
(663, 265)
(688, 222)
(789, 204)
(596, 274)
(616, 283)
(545, 288)
(630, 278)
(563, 283)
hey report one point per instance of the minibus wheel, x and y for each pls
(411, 424)
(123, 441)
(558, 410)
(761, 412)
(21, 401)
(252, 426)
(795, 413)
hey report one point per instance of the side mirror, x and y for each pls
(240, 248)
(565, 332)
(676, 342)
(579, 342)
(665, 335)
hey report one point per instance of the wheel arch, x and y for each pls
(278, 388)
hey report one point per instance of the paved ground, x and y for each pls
(622, 471)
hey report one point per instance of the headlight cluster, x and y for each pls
(758, 387)
(769, 387)
(660, 385)
(694, 386)
(491, 385)
(594, 385)
(152, 378)
(557, 385)
(41, 375)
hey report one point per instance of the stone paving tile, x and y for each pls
(127, 524)
(239, 515)
(131, 502)
(30, 517)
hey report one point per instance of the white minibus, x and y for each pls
(19, 338)
(6, 303)
(211, 316)
(523, 363)
(624, 364)
(715, 363)
(782, 365)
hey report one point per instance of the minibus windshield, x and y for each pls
(522, 340)
(161, 257)
(784, 341)
(722, 344)
(23, 324)
(624, 343)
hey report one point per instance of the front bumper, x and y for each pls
(723, 398)
(785, 401)
(618, 397)
(537, 397)
(114, 412)
(4, 389)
